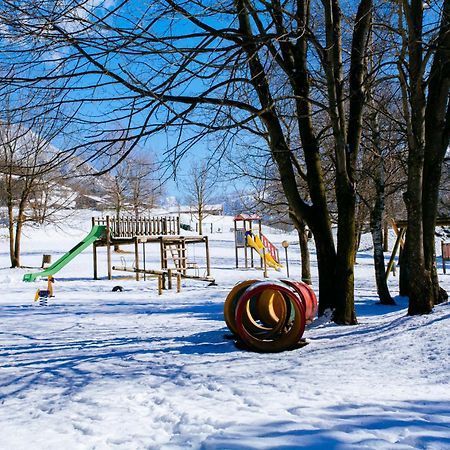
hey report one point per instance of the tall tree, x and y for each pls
(28, 168)
(199, 188)
(134, 185)
(425, 85)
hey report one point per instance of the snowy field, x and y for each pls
(98, 369)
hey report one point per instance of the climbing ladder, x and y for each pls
(177, 253)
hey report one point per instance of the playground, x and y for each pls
(133, 369)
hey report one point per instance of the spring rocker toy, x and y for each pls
(44, 294)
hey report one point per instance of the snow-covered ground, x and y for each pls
(98, 369)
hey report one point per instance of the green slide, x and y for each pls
(97, 232)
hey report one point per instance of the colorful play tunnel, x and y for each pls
(270, 316)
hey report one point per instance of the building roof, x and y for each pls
(246, 217)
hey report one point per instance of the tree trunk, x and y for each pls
(419, 278)
(17, 239)
(200, 223)
(11, 229)
(376, 214)
(326, 262)
(361, 216)
(316, 215)
(413, 259)
(376, 230)
(404, 274)
(304, 252)
(300, 225)
(345, 255)
(437, 135)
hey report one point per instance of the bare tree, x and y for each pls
(381, 177)
(199, 185)
(134, 185)
(28, 168)
(424, 74)
(117, 184)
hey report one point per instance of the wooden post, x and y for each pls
(178, 282)
(159, 284)
(136, 257)
(245, 246)
(162, 250)
(252, 264)
(263, 262)
(183, 255)
(46, 261)
(236, 244)
(94, 255)
(397, 244)
(444, 253)
(208, 263)
(169, 278)
(108, 247)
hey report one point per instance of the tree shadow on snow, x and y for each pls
(407, 424)
(63, 359)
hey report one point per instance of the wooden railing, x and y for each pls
(129, 226)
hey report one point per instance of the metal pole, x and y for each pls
(136, 257)
(108, 247)
(208, 262)
(285, 244)
(287, 262)
(143, 255)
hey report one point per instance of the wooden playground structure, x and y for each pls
(399, 228)
(163, 231)
(244, 225)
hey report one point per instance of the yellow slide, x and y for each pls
(255, 242)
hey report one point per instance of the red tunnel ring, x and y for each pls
(307, 295)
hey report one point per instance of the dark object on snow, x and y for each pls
(117, 289)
